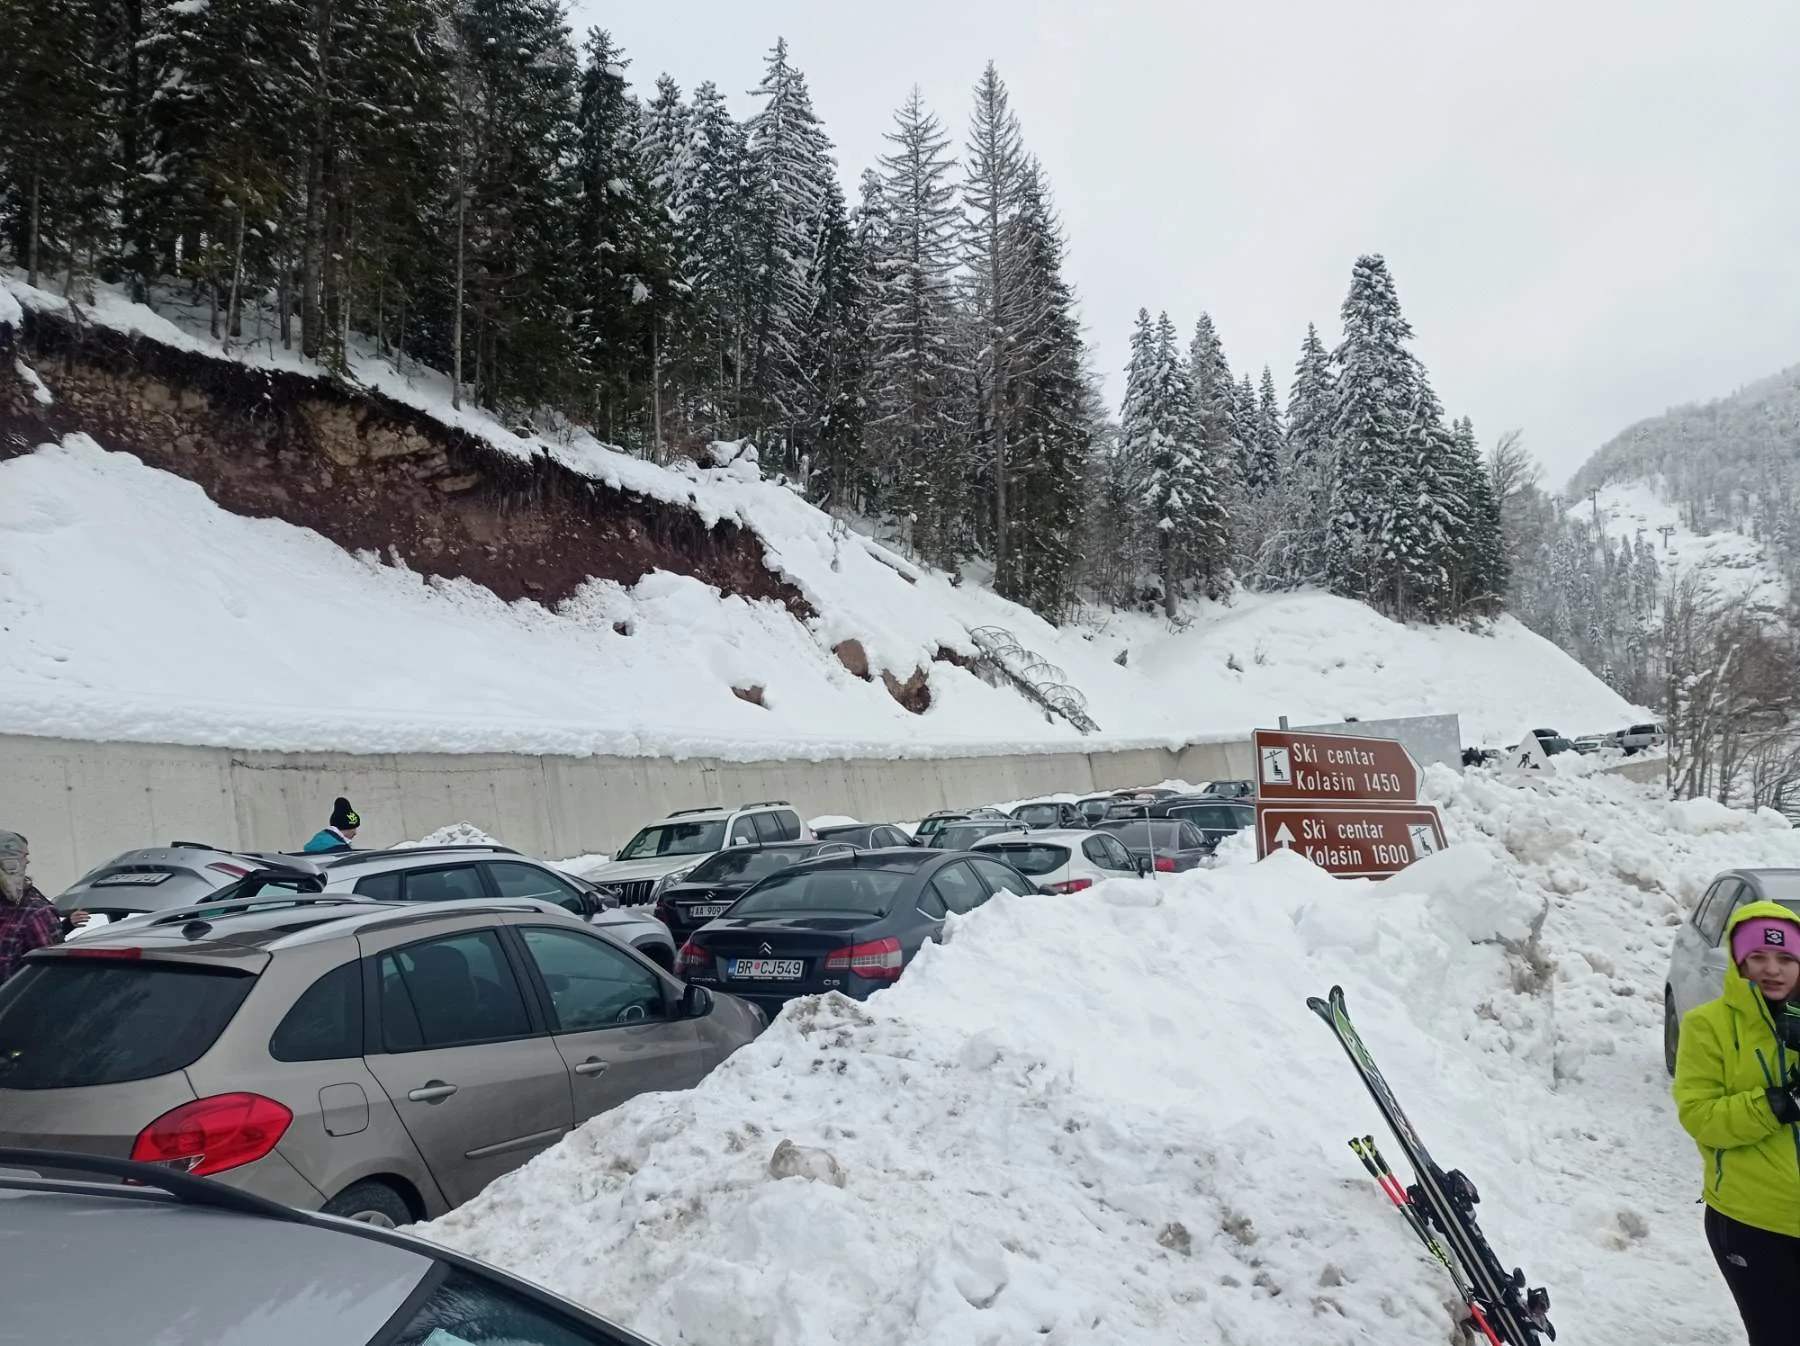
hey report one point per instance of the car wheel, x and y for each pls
(370, 1202)
(1671, 1032)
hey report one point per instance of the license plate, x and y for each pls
(767, 969)
(139, 879)
(707, 912)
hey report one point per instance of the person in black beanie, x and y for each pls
(339, 834)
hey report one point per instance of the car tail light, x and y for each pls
(691, 958)
(664, 912)
(1071, 885)
(236, 871)
(878, 960)
(82, 951)
(213, 1134)
(1165, 864)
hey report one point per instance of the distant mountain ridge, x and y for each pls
(1729, 464)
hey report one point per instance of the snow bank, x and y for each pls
(453, 834)
(1109, 1118)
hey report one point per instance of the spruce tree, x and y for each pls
(1265, 459)
(1050, 414)
(624, 265)
(1374, 415)
(796, 223)
(713, 213)
(918, 411)
(994, 176)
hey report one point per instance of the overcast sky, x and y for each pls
(1591, 207)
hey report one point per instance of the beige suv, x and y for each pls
(378, 1061)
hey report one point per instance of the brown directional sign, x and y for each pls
(1350, 840)
(1293, 764)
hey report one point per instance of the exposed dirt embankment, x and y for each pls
(361, 469)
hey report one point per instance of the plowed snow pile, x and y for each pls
(1110, 1118)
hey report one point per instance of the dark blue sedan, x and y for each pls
(846, 923)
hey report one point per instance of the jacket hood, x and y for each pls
(1737, 990)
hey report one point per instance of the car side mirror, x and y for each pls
(696, 1002)
(1145, 868)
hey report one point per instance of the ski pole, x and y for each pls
(1365, 1150)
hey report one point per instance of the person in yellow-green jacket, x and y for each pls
(1737, 1090)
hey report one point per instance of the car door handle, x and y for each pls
(434, 1091)
(592, 1066)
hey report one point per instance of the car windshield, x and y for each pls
(931, 826)
(695, 838)
(867, 890)
(1094, 808)
(1141, 836)
(744, 865)
(1030, 858)
(1037, 814)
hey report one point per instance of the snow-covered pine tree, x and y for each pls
(1243, 415)
(1050, 411)
(1267, 460)
(1312, 403)
(1417, 535)
(994, 167)
(61, 110)
(625, 279)
(1218, 448)
(919, 389)
(794, 208)
(1481, 572)
(513, 200)
(714, 215)
(1375, 410)
(1162, 433)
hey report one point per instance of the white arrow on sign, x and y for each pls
(1283, 837)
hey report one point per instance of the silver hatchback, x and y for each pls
(378, 1061)
(1697, 962)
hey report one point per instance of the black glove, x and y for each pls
(1784, 1104)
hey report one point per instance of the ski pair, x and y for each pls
(1365, 1150)
(1499, 1302)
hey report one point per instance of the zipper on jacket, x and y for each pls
(1718, 1170)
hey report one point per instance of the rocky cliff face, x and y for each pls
(359, 468)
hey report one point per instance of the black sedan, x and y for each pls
(847, 922)
(1216, 818)
(1169, 844)
(716, 883)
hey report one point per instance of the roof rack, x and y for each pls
(188, 1190)
(703, 808)
(767, 803)
(341, 858)
(239, 905)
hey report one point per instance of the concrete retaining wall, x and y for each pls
(83, 802)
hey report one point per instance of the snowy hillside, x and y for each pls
(1109, 1118)
(288, 641)
(1736, 565)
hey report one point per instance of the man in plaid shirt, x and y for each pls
(27, 920)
